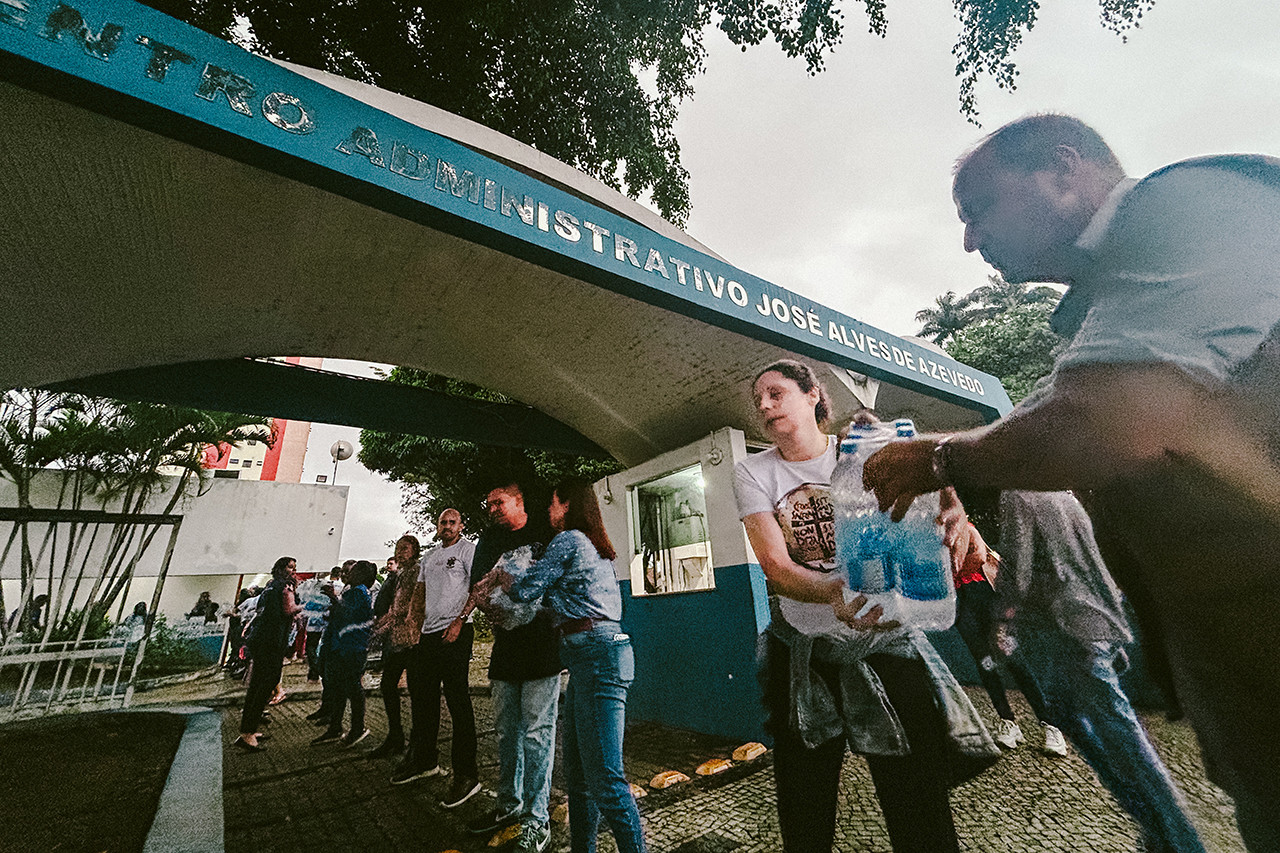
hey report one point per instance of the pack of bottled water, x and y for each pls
(500, 608)
(903, 567)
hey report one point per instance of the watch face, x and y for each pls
(808, 526)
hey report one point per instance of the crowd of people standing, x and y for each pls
(547, 584)
(1170, 316)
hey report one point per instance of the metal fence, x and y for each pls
(82, 563)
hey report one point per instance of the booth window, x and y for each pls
(671, 546)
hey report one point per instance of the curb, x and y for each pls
(190, 816)
(143, 685)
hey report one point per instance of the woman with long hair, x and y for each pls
(576, 579)
(267, 641)
(831, 675)
(399, 633)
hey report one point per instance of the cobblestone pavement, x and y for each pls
(297, 797)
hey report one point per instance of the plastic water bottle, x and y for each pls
(921, 560)
(903, 567)
(864, 535)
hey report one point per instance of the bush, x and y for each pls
(169, 652)
(67, 629)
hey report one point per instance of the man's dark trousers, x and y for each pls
(443, 668)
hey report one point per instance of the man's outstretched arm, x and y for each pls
(1092, 425)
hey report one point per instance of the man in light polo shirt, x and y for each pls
(443, 585)
(1162, 410)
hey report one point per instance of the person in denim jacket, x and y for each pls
(576, 580)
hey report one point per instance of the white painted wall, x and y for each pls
(236, 527)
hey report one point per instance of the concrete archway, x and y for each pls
(169, 198)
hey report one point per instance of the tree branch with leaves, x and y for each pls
(597, 84)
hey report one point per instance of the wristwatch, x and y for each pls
(941, 461)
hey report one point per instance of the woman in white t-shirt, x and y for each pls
(831, 676)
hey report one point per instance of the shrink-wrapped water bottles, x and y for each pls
(903, 567)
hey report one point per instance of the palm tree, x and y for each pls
(952, 314)
(31, 439)
(146, 441)
(998, 296)
(116, 454)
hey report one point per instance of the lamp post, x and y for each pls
(340, 450)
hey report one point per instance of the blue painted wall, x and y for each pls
(696, 655)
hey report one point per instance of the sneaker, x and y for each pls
(408, 772)
(491, 821)
(459, 792)
(534, 838)
(1054, 742)
(329, 736)
(1008, 734)
(354, 737)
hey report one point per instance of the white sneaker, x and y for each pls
(1054, 742)
(1008, 734)
(533, 838)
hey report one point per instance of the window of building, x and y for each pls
(233, 461)
(671, 549)
(248, 463)
(231, 474)
(322, 478)
(259, 463)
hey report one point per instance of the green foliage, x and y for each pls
(67, 628)
(118, 455)
(170, 652)
(950, 314)
(484, 631)
(439, 474)
(991, 30)
(997, 296)
(1016, 346)
(595, 83)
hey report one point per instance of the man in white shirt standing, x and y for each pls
(436, 667)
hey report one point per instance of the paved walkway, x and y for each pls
(296, 797)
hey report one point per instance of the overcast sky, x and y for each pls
(838, 186)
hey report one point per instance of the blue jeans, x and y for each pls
(525, 717)
(601, 668)
(1085, 701)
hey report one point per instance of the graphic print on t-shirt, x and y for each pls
(808, 526)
